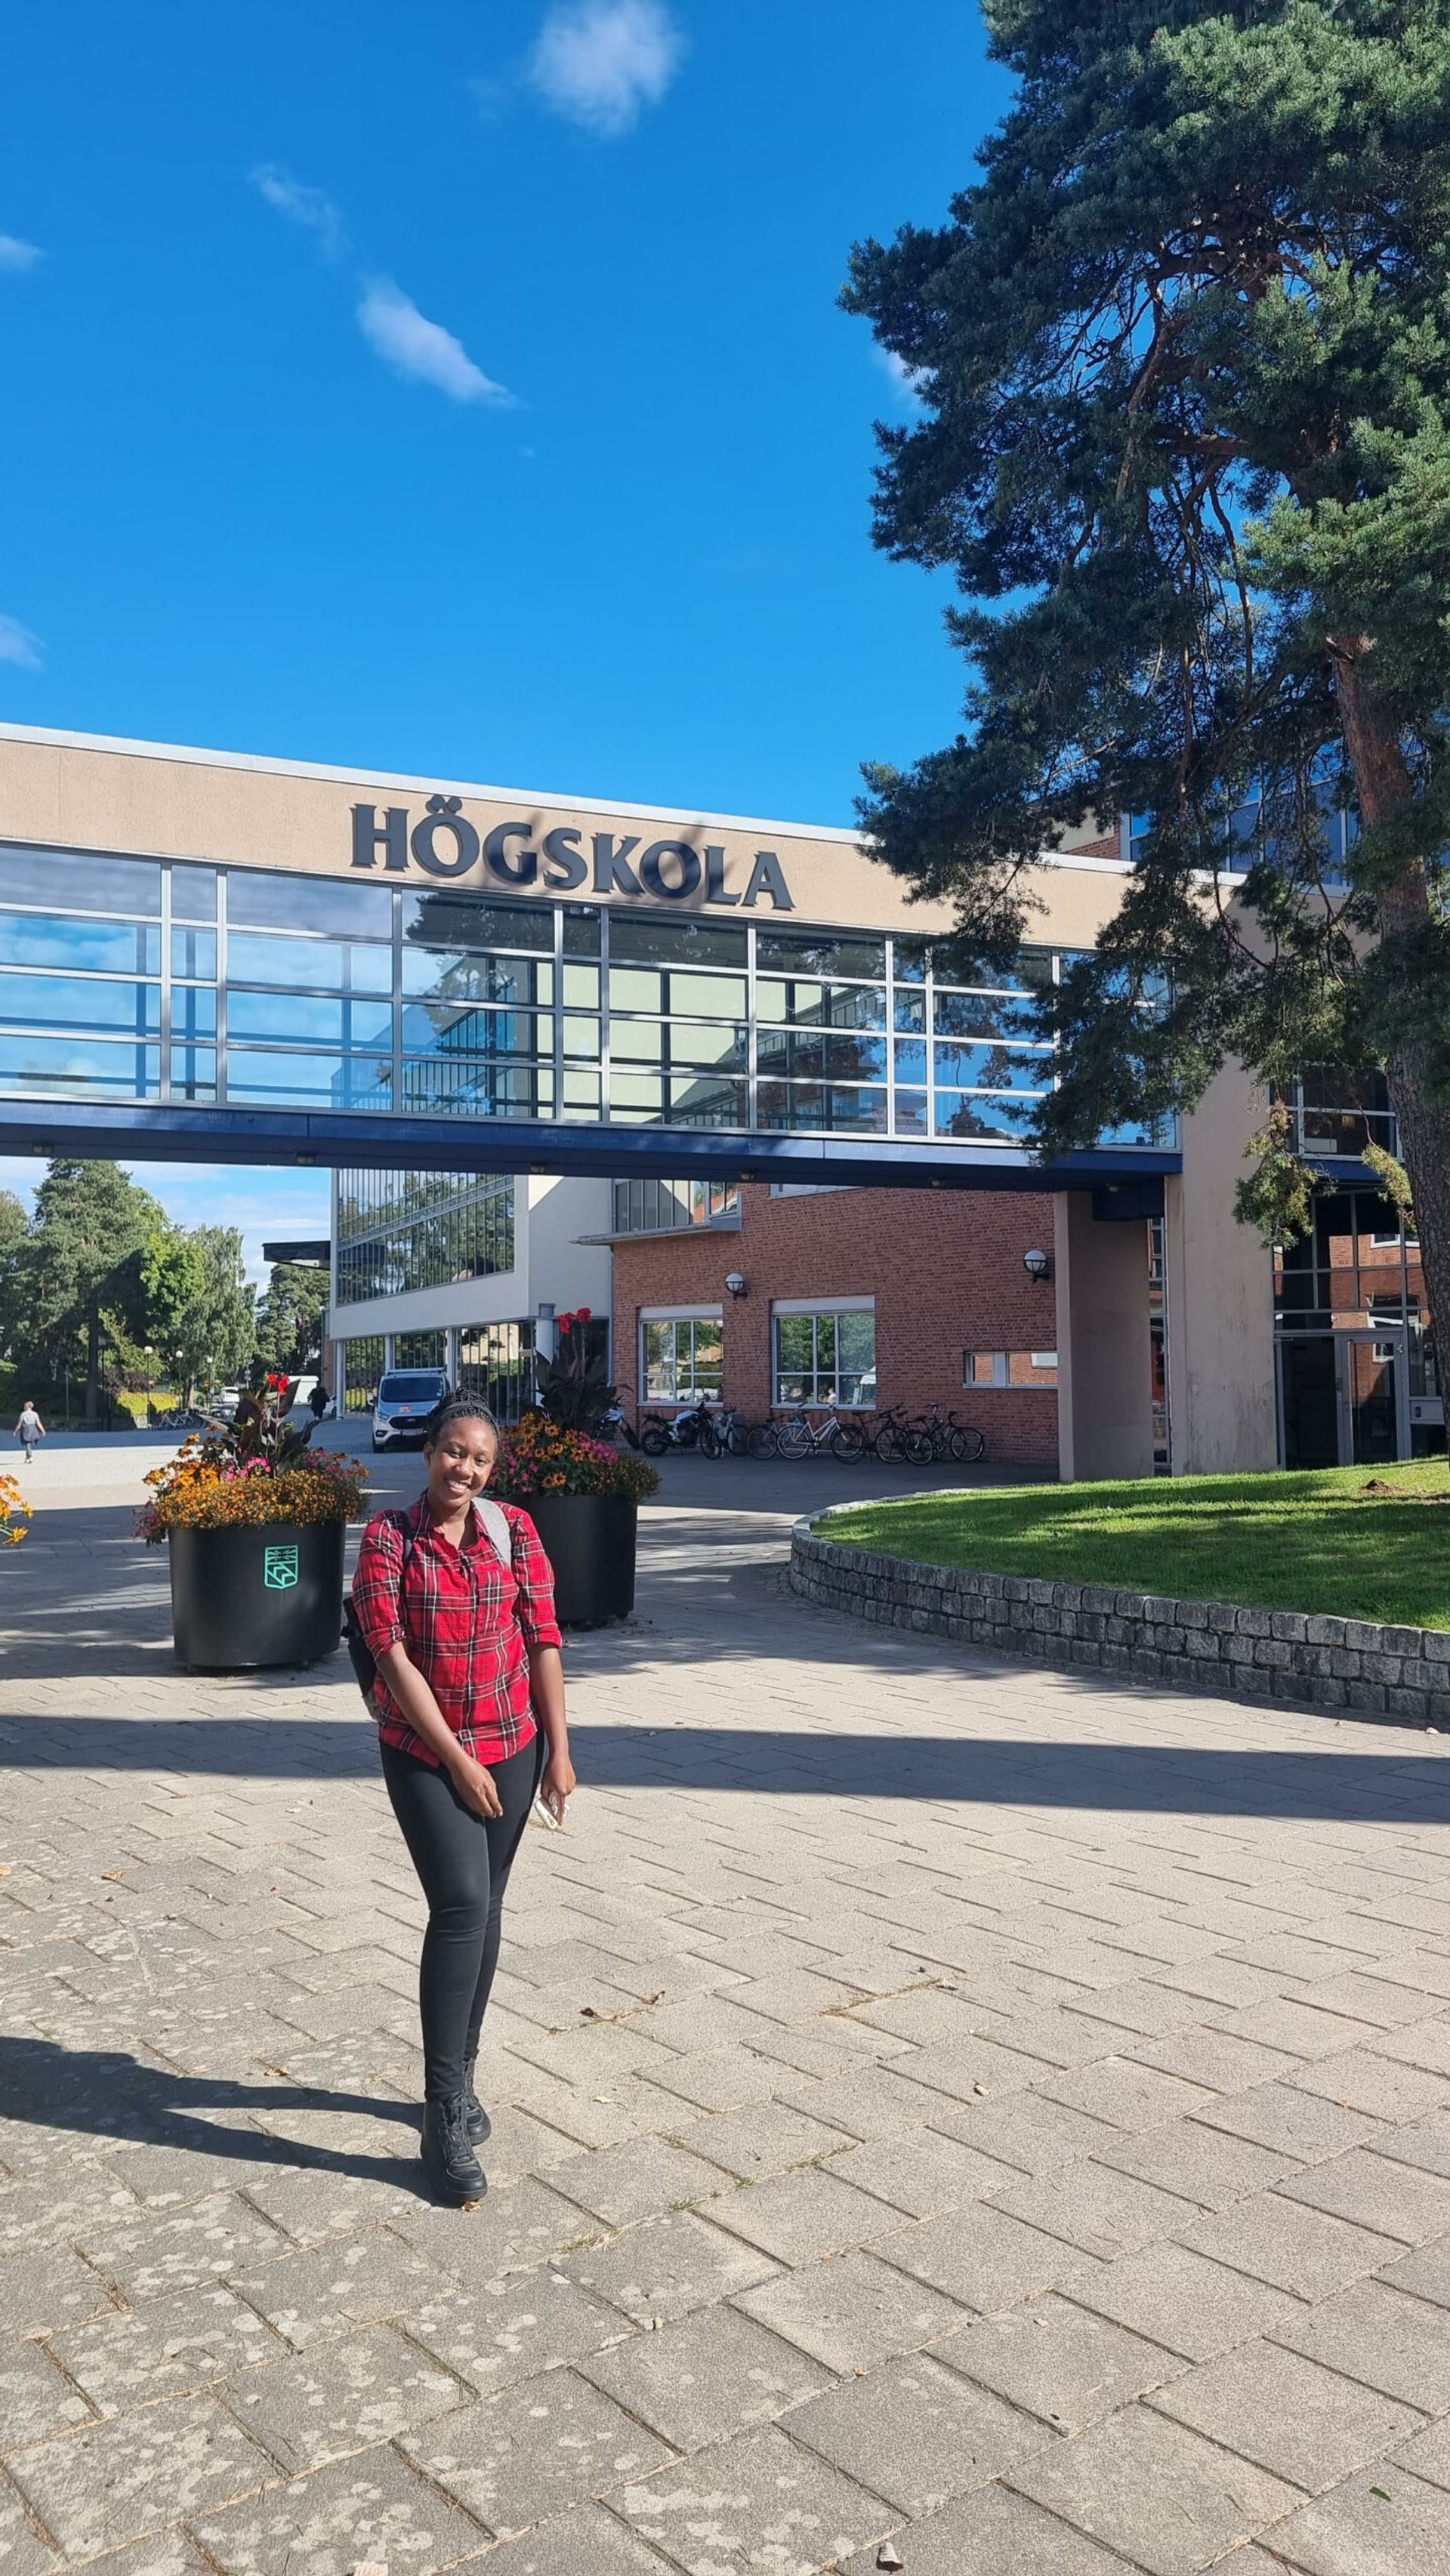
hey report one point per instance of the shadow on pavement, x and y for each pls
(104, 2093)
(1122, 1779)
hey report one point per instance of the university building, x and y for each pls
(708, 1076)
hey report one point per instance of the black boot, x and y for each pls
(480, 2126)
(448, 2158)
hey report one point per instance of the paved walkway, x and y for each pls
(933, 2101)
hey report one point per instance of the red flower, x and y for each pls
(583, 1315)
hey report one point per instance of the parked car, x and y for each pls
(405, 1399)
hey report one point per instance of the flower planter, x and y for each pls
(589, 1540)
(245, 1597)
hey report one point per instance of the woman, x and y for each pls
(469, 1699)
(29, 1429)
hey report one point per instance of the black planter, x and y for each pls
(245, 1597)
(589, 1539)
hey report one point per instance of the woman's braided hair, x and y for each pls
(459, 1408)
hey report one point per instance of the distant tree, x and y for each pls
(174, 1283)
(1182, 352)
(78, 1262)
(217, 1331)
(289, 1319)
(12, 1235)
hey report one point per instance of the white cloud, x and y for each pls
(599, 62)
(301, 205)
(18, 645)
(908, 383)
(408, 342)
(17, 255)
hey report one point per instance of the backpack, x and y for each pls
(359, 1654)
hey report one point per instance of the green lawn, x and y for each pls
(1271, 1542)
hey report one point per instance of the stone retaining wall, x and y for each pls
(1401, 1673)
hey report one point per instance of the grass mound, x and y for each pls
(1279, 1542)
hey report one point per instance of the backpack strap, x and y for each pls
(499, 1529)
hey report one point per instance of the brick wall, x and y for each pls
(945, 1269)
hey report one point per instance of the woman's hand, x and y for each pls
(557, 1784)
(476, 1786)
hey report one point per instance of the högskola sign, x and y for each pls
(443, 843)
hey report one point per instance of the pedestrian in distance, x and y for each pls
(453, 1600)
(319, 1400)
(29, 1429)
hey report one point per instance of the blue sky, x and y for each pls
(461, 390)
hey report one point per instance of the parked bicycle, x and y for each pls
(800, 1438)
(899, 1438)
(949, 1438)
(656, 1435)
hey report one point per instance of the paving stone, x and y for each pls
(1421, 2043)
(711, 2375)
(353, 2281)
(1382, 2523)
(372, 2507)
(1376, 1999)
(1058, 2360)
(166, 2177)
(720, 2079)
(516, 2458)
(986, 2259)
(1428, 2455)
(1290, 2023)
(993, 2532)
(1375, 2191)
(1125, 2095)
(1384, 2338)
(44, 2291)
(586, 2542)
(166, 2553)
(22, 2552)
(512, 2230)
(345, 2396)
(770, 2138)
(668, 2266)
(1105, 2212)
(1361, 2080)
(309, 2207)
(1181, 2300)
(971, 2069)
(1286, 2414)
(1425, 2143)
(852, 2312)
(923, 2175)
(112, 2482)
(862, 2100)
(35, 2215)
(35, 2398)
(504, 2331)
(638, 2179)
(1426, 2273)
(209, 2241)
(1292, 2246)
(1154, 2491)
(1214, 2059)
(1209, 2166)
(1029, 2130)
(758, 2506)
(1293, 2123)
(173, 2346)
(915, 2433)
(801, 2217)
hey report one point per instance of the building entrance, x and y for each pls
(1345, 1397)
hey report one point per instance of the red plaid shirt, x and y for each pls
(467, 1622)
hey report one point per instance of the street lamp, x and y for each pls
(1038, 1266)
(736, 1286)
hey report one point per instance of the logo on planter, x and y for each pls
(279, 1568)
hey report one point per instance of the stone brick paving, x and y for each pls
(989, 2108)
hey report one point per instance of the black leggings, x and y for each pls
(463, 1862)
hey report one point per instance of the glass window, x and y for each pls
(418, 1384)
(637, 939)
(78, 1002)
(66, 1068)
(581, 988)
(581, 1038)
(193, 893)
(910, 1060)
(910, 958)
(683, 1359)
(75, 882)
(463, 975)
(329, 964)
(193, 1073)
(990, 1068)
(909, 1010)
(581, 931)
(478, 1087)
(193, 1011)
(81, 947)
(970, 1114)
(984, 1015)
(804, 952)
(309, 1081)
(308, 1020)
(193, 955)
(439, 1029)
(911, 1113)
(826, 1358)
(270, 900)
(463, 921)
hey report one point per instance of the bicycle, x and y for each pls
(797, 1439)
(949, 1438)
(762, 1439)
(900, 1438)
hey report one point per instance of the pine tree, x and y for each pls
(1183, 357)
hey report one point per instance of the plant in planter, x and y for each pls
(13, 1507)
(582, 1498)
(255, 1522)
(574, 1389)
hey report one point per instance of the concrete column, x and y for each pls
(1104, 1384)
(390, 1350)
(1219, 1281)
(451, 1340)
(338, 1380)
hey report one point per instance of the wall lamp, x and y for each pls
(737, 1286)
(1038, 1266)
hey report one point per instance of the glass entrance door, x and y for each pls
(1370, 1375)
(1309, 1400)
